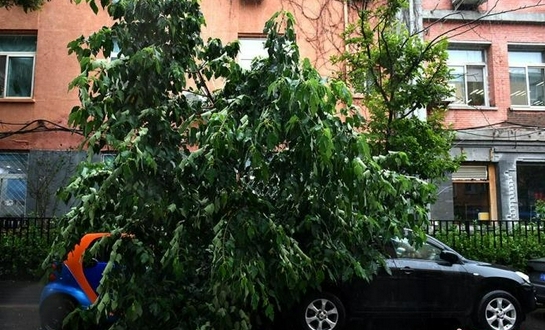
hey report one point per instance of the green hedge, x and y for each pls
(510, 249)
(22, 254)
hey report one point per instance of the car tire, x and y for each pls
(499, 310)
(54, 310)
(322, 311)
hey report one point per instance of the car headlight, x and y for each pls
(525, 277)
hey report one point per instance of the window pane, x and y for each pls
(458, 81)
(251, 48)
(470, 199)
(517, 79)
(530, 188)
(535, 78)
(465, 56)
(525, 57)
(13, 184)
(2, 75)
(19, 82)
(17, 43)
(475, 85)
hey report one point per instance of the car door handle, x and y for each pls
(408, 270)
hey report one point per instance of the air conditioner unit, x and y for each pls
(467, 4)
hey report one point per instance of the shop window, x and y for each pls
(530, 188)
(474, 193)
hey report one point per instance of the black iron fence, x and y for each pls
(24, 245)
(31, 229)
(495, 233)
(27, 229)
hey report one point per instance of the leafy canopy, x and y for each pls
(398, 75)
(224, 206)
(27, 5)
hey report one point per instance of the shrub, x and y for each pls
(22, 251)
(511, 248)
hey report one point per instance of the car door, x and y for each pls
(426, 282)
(378, 295)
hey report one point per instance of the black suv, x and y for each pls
(426, 281)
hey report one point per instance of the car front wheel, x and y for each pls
(322, 311)
(54, 310)
(499, 310)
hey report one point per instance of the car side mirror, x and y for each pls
(449, 256)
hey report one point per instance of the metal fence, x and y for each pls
(26, 229)
(496, 233)
(31, 229)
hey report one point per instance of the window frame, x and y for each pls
(538, 49)
(465, 65)
(7, 55)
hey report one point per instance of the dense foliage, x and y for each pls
(22, 251)
(27, 5)
(224, 206)
(402, 80)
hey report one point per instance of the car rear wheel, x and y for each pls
(322, 311)
(499, 310)
(54, 310)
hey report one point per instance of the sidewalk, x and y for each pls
(19, 305)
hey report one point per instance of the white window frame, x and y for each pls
(465, 66)
(4, 74)
(251, 47)
(525, 65)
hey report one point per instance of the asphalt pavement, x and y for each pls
(19, 305)
(19, 311)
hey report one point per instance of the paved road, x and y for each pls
(19, 305)
(19, 311)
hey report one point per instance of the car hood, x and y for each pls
(486, 269)
(487, 264)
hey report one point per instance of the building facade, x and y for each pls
(38, 150)
(496, 53)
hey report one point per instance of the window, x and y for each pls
(17, 55)
(405, 248)
(530, 188)
(468, 69)
(251, 48)
(474, 188)
(13, 184)
(526, 78)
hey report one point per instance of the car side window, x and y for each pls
(406, 249)
(102, 255)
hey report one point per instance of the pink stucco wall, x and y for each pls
(61, 21)
(57, 23)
